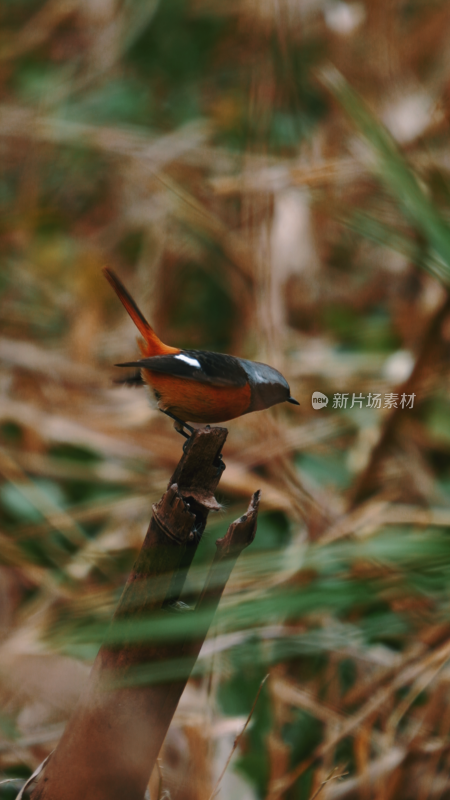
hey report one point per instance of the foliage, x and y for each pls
(255, 201)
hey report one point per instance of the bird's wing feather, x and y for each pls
(214, 369)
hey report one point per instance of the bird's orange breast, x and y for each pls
(192, 401)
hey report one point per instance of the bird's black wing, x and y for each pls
(215, 369)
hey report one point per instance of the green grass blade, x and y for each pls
(394, 171)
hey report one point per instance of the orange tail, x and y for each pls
(154, 346)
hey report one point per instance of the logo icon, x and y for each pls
(319, 400)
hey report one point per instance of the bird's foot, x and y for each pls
(180, 426)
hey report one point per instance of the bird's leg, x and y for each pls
(179, 426)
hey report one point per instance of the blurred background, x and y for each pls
(270, 178)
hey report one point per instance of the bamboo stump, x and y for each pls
(110, 745)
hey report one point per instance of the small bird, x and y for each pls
(196, 385)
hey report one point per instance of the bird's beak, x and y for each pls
(294, 402)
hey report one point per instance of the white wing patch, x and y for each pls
(192, 361)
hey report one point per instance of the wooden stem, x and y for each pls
(111, 743)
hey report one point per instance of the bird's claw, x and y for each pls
(179, 426)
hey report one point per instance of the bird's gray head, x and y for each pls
(267, 385)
